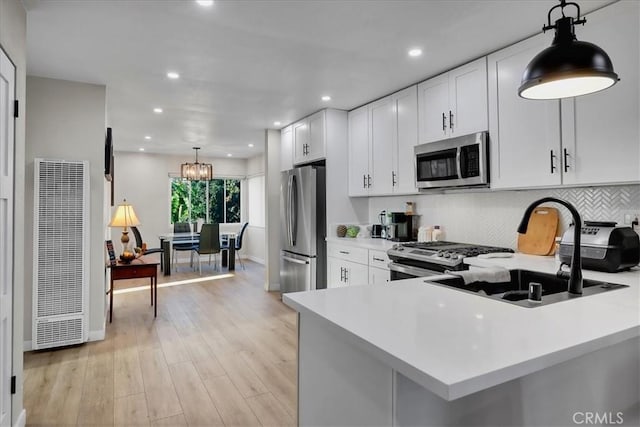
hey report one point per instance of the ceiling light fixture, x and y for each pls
(415, 52)
(157, 110)
(326, 98)
(568, 67)
(251, 145)
(229, 155)
(277, 123)
(196, 171)
(140, 149)
(173, 75)
(205, 2)
(147, 137)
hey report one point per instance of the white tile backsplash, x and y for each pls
(492, 217)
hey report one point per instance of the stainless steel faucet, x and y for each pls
(575, 273)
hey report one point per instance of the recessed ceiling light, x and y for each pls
(250, 145)
(147, 137)
(229, 155)
(326, 98)
(415, 52)
(173, 75)
(140, 149)
(157, 110)
(205, 2)
(277, 123)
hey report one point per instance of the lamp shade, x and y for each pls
(124, 216)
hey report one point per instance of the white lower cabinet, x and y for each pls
(351, 265)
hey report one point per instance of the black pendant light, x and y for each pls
(568, 67)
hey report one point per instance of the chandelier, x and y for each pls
(196, 171)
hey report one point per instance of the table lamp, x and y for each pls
(125, 216)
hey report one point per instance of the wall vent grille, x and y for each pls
(60, 261)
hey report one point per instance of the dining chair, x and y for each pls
(147, 251)
(238, 245)
(181, 227)
(208, 244)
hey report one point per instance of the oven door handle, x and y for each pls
(414, 271)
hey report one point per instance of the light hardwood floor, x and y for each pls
(222, 351)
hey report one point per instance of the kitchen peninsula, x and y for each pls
(410, 353)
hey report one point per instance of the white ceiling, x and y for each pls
(246, 64)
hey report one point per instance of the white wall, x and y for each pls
(492, 217)
(13, 40)
(66, 120)
(254, 245)
(272, 209)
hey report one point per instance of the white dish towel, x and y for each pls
(488, 274)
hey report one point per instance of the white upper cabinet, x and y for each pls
(286, 148)
(405, 103)
(524, 134)
(359, 152)
(381, 140)
(600, 131)
(309, 138)
(454, 103)
(588, 140)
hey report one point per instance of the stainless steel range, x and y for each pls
(420, 259)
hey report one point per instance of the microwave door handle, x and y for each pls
(458, 165)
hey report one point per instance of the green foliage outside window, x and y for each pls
(189, 201)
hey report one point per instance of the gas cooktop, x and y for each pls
(443, 253)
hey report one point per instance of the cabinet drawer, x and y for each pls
(133, 272)
(348, 253)
(378, 259)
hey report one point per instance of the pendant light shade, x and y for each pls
(568, 67)
(196, 171)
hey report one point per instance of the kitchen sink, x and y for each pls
(516, 290)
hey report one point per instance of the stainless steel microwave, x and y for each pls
(455, 162)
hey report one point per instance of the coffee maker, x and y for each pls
(400, 228)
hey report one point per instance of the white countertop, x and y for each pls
(363, 242)
(455, 343)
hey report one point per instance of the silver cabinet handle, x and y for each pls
(368, 181)
(342, 274)
(344, 252)
(378, 259)
(364, 181)
(393, 179)
(552, 159)
(444, 123)
(566, 158)
(346, 277)
(295, 261)
(450, 120)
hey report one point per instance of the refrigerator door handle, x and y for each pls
(287, 211)
(294, 209)
(295, 261)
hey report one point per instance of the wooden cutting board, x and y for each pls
(541, 232)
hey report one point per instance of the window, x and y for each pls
(216, 201)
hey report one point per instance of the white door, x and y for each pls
(406, 106)
(433, 109)
(468, 98)
(7, 96)
(525, 134)
(383, 141)
(358, 151)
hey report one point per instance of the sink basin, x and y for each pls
(516, 290)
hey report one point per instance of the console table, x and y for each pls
(138, 269)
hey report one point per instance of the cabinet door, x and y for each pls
(357, 274)
(525, 134)
(382, 146)
(335, 273)
(358, 151)
(379, 275)
(600, 130)
(406, 111)
(433, 107)
(468, 98)
(300, 141)
(286, 149)
(317, 133)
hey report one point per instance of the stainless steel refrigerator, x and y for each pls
(303, 229)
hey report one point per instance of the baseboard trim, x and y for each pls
(98, 335)
(27, 346)
(22, 419)
(255, 259)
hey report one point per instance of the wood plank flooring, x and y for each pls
(222, 352)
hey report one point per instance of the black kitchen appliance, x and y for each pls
(376, 231)
(401, 227)
(422, 259)
(603, 247)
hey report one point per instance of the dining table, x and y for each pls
(167, 240)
